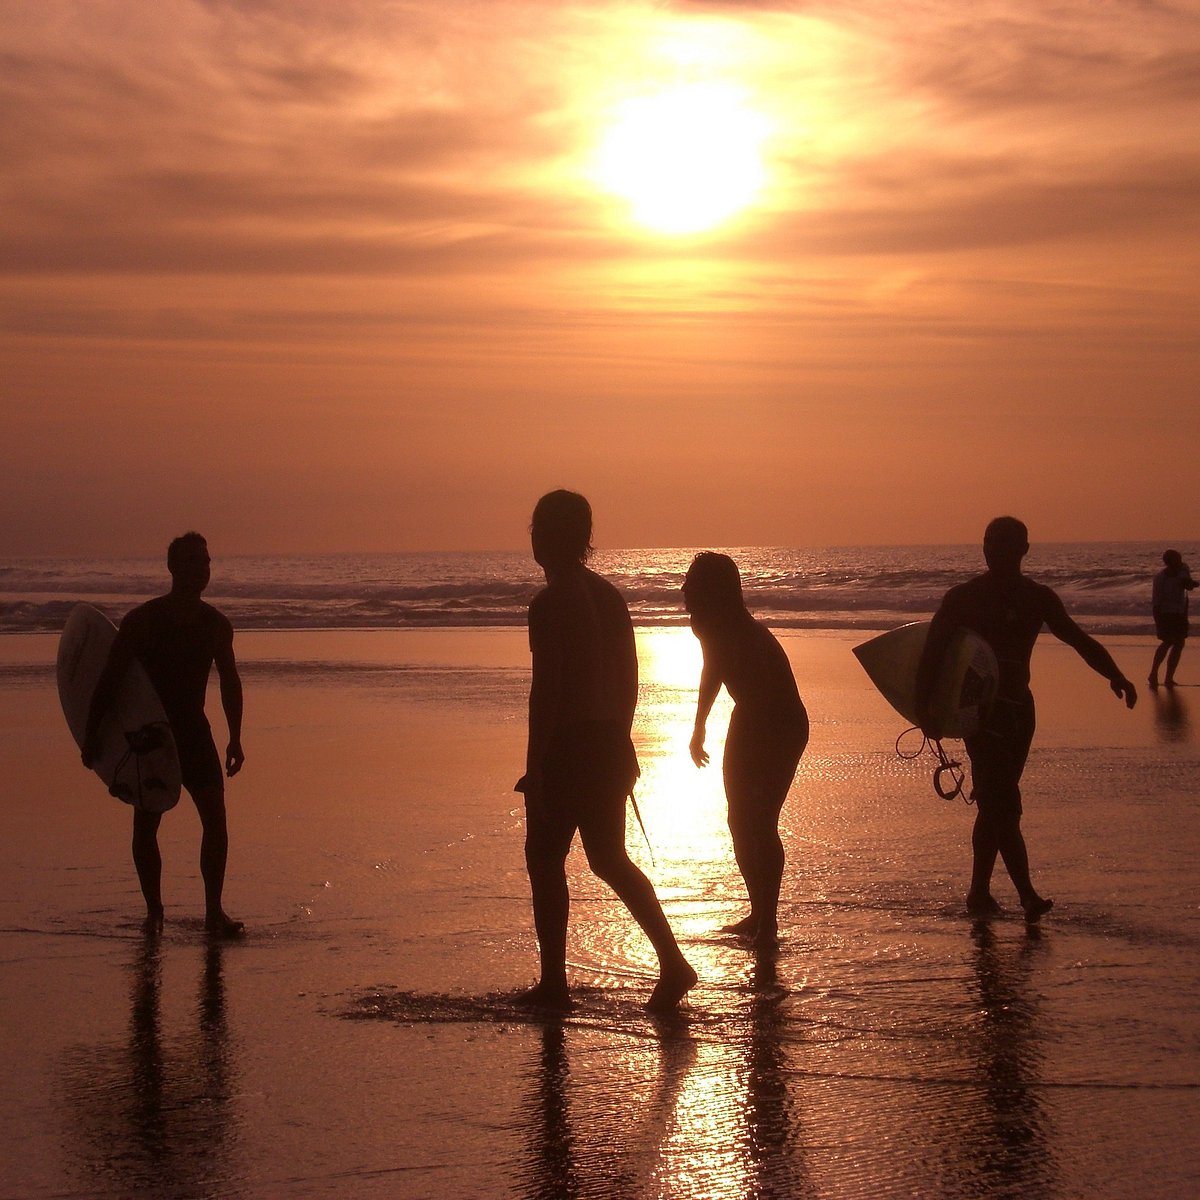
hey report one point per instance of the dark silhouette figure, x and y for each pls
(1169, 604)
(1008, 610)
(581, 765)
(153, 1117)
(177, 638)
(768, 730)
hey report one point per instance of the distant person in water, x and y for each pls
(1008, 610)
(177, 638)
(768, 731)
(1169, 604)
(581, 765)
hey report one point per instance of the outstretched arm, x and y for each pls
(231, 702)
(710, 685)
(1064, 628)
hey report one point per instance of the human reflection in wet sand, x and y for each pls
(601, 1140)
(777, 1164)
(152, 1118)
(1171, 718)
(1009, 1147)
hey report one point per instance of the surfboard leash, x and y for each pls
(946, 765)
(637, 812)
(143, 740)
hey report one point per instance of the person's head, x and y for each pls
(1005, 543)
(1173, 559)
(712, 587)
(561, 530)
(188, 562)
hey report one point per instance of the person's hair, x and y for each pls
(713, 580)
(1008, 530)
(182, 544)
(1172, 558)
(562, 527)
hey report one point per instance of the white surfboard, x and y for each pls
(965, 687)
(137, 758)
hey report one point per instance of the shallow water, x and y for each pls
(362, 1040)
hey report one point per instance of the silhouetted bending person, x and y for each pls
(1008, 610)
(177, 638)
(768, 730)
(581, 764)
(1169, 603)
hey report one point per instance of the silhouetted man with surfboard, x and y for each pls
(581, 765)
(1008, 610)
(177, 638)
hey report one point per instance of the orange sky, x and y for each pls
(347, 275)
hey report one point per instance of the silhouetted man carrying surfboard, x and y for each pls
(177, 638)
(1007, 610)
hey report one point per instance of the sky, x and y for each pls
(328, 275)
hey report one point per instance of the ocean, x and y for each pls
(1106, 585)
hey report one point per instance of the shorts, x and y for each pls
(998, 753)
(199, 762)
(1171, 627)
(588, 764)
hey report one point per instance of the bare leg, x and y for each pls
(551, 909)
(1173, 658)
(147, 861)
(758, 770)
(214, 850)
(546, 849)
(603, 836)
(1160, 653)
(760, 858)
(1002, 835)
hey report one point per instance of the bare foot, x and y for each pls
(1036, 909)
(743, 928)
(983, 906)
(766, 937)
(673, 984)
(550, 997)
(152, 926)
(223, 926)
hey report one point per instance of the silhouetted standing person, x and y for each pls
(768, 730)
(1008, 610)
(581, 765)
(1169, 604)
(177, 638)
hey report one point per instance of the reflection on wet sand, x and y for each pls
(1010, 1142)
(1171, 721)
(152, 1117)
(695, 1109)
(601, 1136)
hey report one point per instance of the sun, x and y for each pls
(685, 159)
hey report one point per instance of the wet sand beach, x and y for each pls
(360, 1041)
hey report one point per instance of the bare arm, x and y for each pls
(710, 685)
(231, 702)
(1066, 630)
(544, 693)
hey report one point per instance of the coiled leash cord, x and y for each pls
(946, 765)
(144, 740)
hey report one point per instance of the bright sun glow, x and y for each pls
(685, 159)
